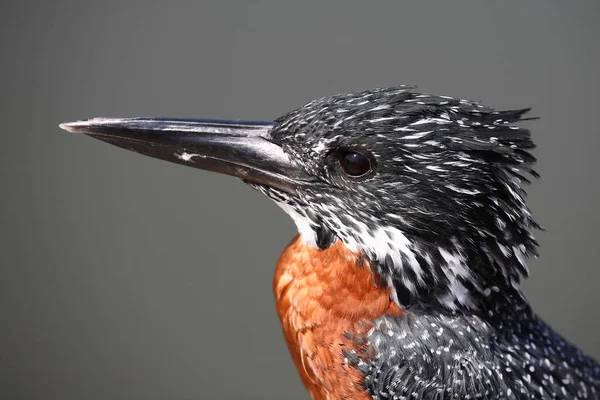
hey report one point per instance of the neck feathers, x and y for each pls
(459, 276)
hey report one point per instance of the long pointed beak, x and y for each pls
(236, 148)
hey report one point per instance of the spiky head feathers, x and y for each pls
(440, 212)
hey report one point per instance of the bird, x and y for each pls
(413, 238)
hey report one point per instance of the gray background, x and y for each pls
(123, 277)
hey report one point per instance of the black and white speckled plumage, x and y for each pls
(443, 221)
(445, 190)
(464, 356)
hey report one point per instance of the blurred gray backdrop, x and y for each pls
(124, 277)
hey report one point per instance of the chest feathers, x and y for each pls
(325, 299)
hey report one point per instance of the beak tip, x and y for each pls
(67, 126)
(79, 126)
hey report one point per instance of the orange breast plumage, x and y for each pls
(325, 298)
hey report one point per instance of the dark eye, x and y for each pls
(354, 164)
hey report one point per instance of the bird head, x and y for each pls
(428, 189)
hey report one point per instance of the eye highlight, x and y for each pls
(354, 164)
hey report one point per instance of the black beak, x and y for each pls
(237, 148)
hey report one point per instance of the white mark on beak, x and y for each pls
(187, 156)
